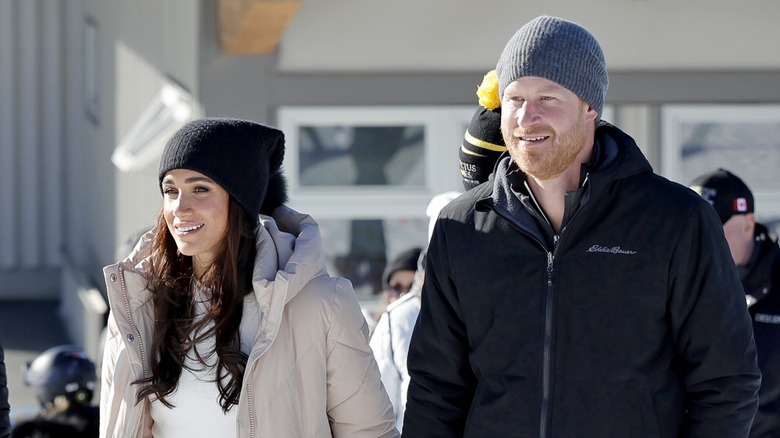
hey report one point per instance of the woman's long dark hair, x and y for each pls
(229, 280)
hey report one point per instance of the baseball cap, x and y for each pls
(728, 194)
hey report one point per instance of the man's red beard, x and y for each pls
(548, 161)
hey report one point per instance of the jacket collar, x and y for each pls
(757, 276)
(289, 254)
(615, 156)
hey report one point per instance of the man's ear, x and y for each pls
(750, 223)
(591, 113)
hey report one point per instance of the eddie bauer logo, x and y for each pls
(769, 319)
(612, 250)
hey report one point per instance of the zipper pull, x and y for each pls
(549, 267)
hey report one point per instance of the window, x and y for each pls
(744, 139)
(143, 144)
(367, 174)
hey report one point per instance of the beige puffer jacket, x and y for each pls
(310, 373)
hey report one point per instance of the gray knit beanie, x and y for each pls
(558, 50)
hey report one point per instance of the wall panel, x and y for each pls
(31, 135)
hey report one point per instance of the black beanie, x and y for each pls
(242, 156)
(483, 142)
(406, 261)
(728, 194)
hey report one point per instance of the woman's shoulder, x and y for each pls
(332, 297)
(324, 289)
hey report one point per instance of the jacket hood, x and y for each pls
(289, 255)
(615, 156)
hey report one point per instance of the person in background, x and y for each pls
(478, 153)
(223, 319)
(5, 408)
(757, 257)
(397, 280)
(390, 340)
(579, 293)
(483, 142)
(64, 380)
(399, 274)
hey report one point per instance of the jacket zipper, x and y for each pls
(250, 365)
(123, 287)
(548, 310)
(548, 306)
(547, 352)
(131, 321)
(250, 408)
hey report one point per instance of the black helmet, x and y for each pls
(63, 370)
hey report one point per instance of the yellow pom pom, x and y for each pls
(488, 91)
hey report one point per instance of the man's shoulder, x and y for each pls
(659, 193)
(466, 205)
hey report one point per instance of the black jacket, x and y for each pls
(79, 422)
(5, 421)
(631, 323)
(761, 280)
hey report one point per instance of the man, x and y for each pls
(482, 143)
(577, 293)
(757, 257)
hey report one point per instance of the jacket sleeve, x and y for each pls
(442, 382)
(381, 346)
(404, 325)
(357, 403)
(5, 409)
(712, 331)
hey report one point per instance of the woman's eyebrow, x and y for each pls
(194, 179)
(198, 179)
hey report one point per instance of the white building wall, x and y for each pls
(31, 145)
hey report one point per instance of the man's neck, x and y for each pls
(551, 193)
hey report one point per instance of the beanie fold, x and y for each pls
(242, 156)
(558, 50)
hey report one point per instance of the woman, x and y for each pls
(223, 325)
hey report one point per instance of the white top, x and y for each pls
(196, 411)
